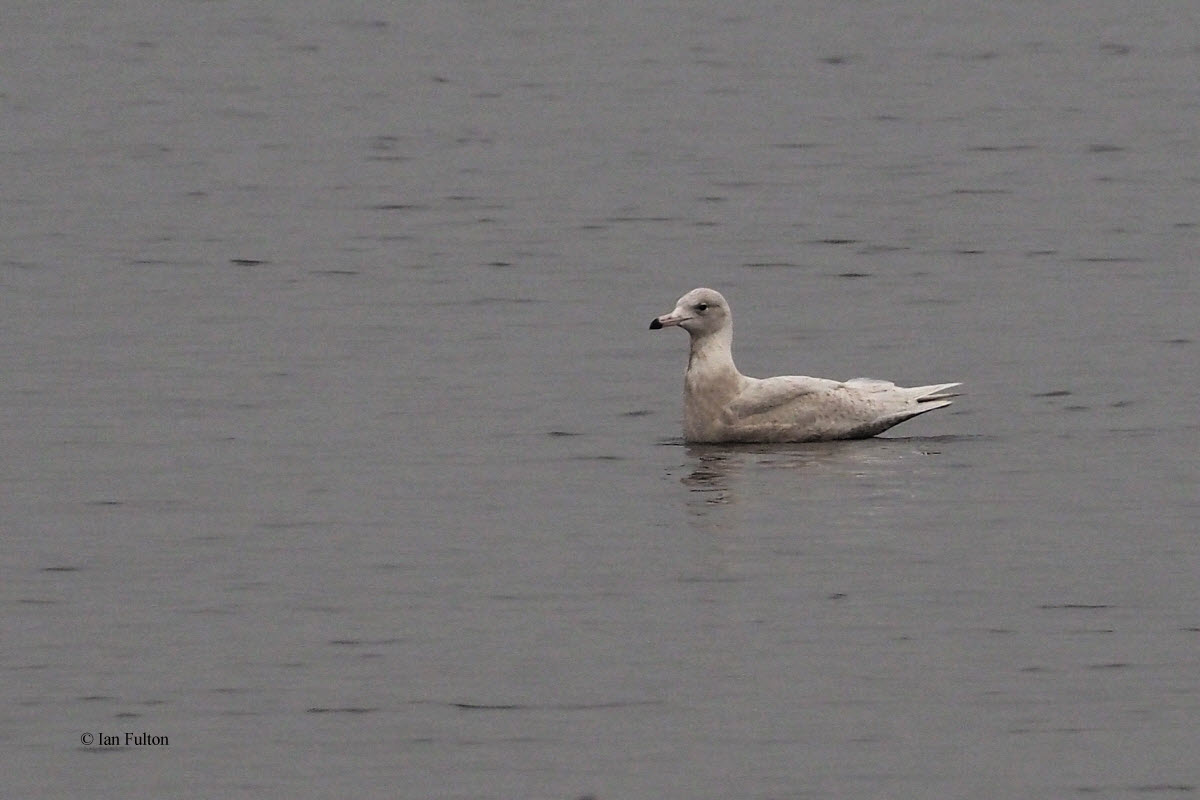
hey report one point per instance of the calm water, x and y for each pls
(339, 457)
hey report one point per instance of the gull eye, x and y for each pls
(701, 306)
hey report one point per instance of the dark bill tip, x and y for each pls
(655, 324)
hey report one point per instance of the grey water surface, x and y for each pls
(338, 460)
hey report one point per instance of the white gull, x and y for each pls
(721, 404)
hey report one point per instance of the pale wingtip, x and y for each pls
(939, 391)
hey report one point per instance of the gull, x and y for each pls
(721, 404)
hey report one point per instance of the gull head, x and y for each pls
(699, 312)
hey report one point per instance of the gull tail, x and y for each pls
(931, 398)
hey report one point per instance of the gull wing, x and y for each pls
(770, 394)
